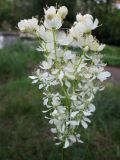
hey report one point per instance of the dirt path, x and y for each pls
(115, 74)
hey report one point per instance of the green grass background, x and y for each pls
(25, 134)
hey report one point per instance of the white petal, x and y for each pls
(51, 121)
(91, 108)
(87, 119)
(41, 86)
(66, 143)
(103, 76)
(73, 123)
(46, 111)
(101, 47)
(54, 113)
(40, 49)
(84, 124)
(80, 67)
(73, 114)
(87, 113)
(80, 141)
(68, 84)
(33, 77)
(61, 75)
(58, 143)
(72, 138)
(74, 97)
(70, 75)
(53, 130)
(35, 81)
(95, 25)
(45, 101)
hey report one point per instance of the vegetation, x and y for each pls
(111, 56)
(25, 134)
(18, 60)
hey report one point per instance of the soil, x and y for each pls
(115, 74)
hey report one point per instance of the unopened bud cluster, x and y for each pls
(69, 79)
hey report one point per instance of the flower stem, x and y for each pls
(62, 158)
(55, 47)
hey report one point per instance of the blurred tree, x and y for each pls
(14, 10)
(94, 5)
(5, 7)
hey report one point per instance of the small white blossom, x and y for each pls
(62, 12)
(50, 12)
(29, 25)
(103, 76)
(54, 23)
(53, 19)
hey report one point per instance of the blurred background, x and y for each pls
(24, 133)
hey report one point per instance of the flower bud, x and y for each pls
(79, 17)
(88, 16)
(62, 12)
(50, 12)
(86, 49)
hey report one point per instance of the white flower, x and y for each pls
(53, 20)
(41, 32)
(87, 20)
(91, 108)
(46, 65)
(69, 70)
(101, 47)
(53, 130)
(69, 56)
(54, 23)
(29, 25)
(62, 12)
(79, 17)
(64, 39)
(69, 79)
(50, 12)
(73, 114)
(56, 102)
(103, 76)
(83, 25)
(79, 29)
(93, 44)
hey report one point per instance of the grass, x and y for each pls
(25, 134)
(18, 60)
(111, 55)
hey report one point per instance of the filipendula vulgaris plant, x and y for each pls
(69, 80)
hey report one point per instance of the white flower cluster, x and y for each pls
(69, 80)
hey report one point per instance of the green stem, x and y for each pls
(43, 42)
(80, 60)
(63, 154)
(55, 47)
